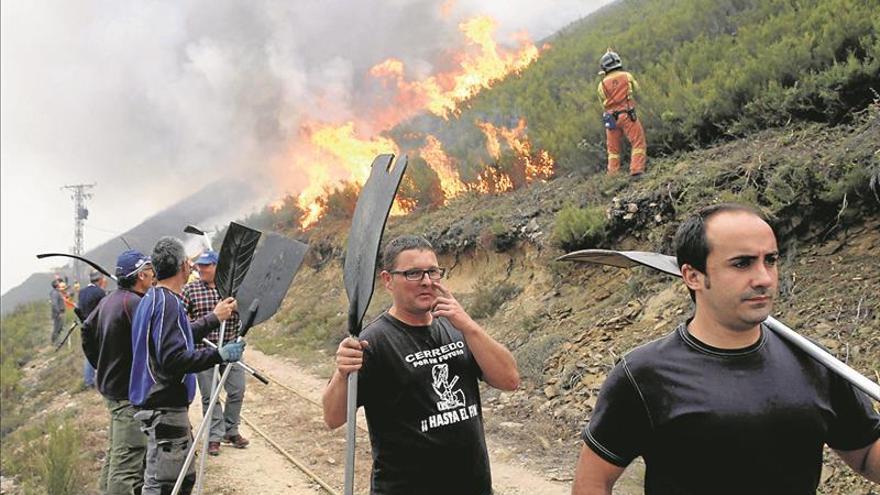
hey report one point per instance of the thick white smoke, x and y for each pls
(153, 100)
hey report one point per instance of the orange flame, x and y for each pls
(329, 153)
(536, 166)
(493, 181)
(442, 93)
(338, 149)
(441, 164)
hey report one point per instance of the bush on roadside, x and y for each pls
(489, 296)
(579, 228)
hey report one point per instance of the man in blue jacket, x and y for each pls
(164, 359)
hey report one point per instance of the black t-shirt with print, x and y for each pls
(418, 386)
(709, 420)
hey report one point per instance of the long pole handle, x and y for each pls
(253, 372)
(205, 421)
(350, 432)
(208, 414)
(832, 363)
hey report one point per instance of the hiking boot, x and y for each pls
(214, 448)
(237, 441)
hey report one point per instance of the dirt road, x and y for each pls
(294, 423)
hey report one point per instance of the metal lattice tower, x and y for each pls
(80, 215)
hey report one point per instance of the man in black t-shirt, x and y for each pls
(418, 367)
(722, 405)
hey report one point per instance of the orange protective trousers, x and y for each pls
(635, 134)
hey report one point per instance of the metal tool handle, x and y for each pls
(209, 414)
(823, 357)
(202, 429)
(350, 432)
(66, 336)
(253, 372)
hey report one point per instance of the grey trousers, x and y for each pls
(123, 470)
(169, 438)
(57, 326)
(224, 420)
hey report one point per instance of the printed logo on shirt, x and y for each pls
(450, 397)
(452, 404)
(436, 355)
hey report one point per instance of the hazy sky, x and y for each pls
(151, 100)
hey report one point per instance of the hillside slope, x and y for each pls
(567, 324)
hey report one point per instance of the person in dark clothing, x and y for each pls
(56, 299)
(723, 405)
(163, 362)
(418, 366)
(88, 300)
(106, 341)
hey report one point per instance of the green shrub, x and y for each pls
(62, 463)
(579, 228)
(24, 330)
(530, 357)
(47, 456)
(489, 296)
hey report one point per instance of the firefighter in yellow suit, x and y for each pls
(616, 94)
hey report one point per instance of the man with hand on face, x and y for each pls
(723, 405)
(202, 301)
(418, 367)
(164, 360)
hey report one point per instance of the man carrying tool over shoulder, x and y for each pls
(202, 301)
(616, 91)
(106, 342)
(418, 367)
(722, 404)
(164, 360)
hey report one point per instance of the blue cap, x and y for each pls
(208, 258)
(130, 263)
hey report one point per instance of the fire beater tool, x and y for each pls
(359, 272)
(668, 265)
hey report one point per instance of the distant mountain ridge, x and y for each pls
(226, 196)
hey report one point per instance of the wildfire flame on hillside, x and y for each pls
(527, 166)
(536, 167)
(441, 94)
(335, 153)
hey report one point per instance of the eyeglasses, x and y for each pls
(417, 274)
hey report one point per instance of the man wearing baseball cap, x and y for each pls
(106, 342)
(199, 297)
(164, 359)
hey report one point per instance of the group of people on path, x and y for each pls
(719, 405)
(145, 341)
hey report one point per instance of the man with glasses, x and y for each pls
(106, 342)
(418, 367)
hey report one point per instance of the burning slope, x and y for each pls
(335, 153)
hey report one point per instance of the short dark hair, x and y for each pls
(127, 282)
(168, 255)
(691, 245)
(400, 244)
